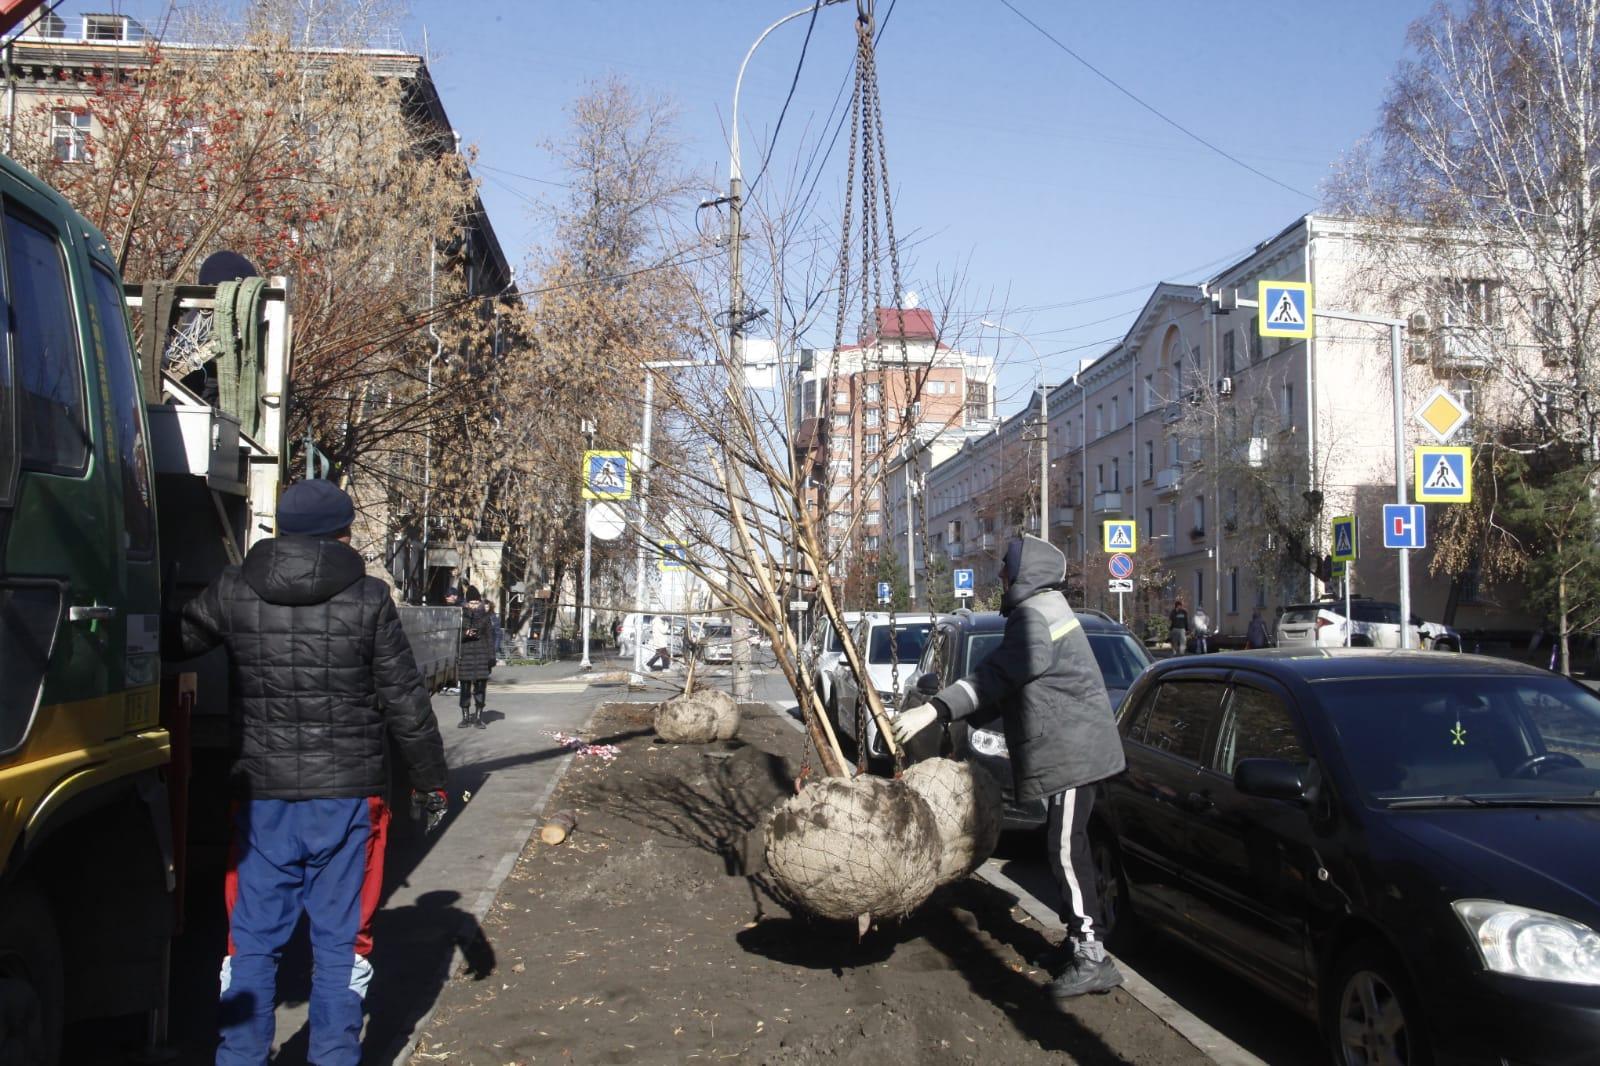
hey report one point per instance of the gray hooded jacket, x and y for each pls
(1044, 679)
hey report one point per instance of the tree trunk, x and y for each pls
(1562, 624)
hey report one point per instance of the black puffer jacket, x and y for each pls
(319, 669)
(1044, 680)
(476, 659)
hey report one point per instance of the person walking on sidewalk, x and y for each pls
(661, 641)
(323, 676)
(1044, 680)
(475, 661)
(1255, 635)
(1178, 627)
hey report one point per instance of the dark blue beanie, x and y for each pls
(314, 509)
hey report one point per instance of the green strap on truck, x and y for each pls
(237, 337)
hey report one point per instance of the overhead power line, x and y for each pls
(1157, 112)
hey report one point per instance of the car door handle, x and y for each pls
(1197, 802)
(95, 613)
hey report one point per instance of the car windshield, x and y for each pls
(979, 647)
(908, 642)
(835, 641)
(1467, 739)
(1120, 657)
(1296, 615)
(719, 632)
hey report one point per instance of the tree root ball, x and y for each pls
(698, 718)
(967, 807)
(848, 846)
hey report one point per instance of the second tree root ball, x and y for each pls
(966, 803)
(848, 846)
(698, 718)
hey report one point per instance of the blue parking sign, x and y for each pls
(963, 582)
(885, 592)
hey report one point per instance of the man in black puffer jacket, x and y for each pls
(321, 673)
(1059, 730)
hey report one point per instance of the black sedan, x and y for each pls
(1403, 845)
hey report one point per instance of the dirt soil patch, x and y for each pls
(651, 936)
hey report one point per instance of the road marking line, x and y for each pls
(1207, 1040)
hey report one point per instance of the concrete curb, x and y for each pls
(1207, 1040)
(486, 896)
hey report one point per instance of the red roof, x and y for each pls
(913, 323)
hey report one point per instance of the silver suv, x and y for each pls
(1373, 624)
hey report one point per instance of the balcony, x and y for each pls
(1168, 479)
(1063, 516)
(1108, 503)
(986, 542)
(956, 550)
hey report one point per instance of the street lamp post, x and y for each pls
(1044, 429)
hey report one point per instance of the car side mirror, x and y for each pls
(1277, 779)
(928, 684)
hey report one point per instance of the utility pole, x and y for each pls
(589, 429)
(1044, 459)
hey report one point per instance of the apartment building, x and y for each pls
(1229, 452)
(861, 404)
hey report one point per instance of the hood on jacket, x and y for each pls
(1040, 566)
(299, 571)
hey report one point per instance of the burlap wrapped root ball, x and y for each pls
(967, 809)
(698, 718)
(848, 846)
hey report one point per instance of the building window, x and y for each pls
(841, 423)
(871, 542)
(1116, 475)
(1233, 591)
(1286, 404)
(1149, 392)
(1473, 303)
(1100, 478)
(838, 493)
(874, 393)
(937, 388)
(1099, 420)
(1172, 520)
(1116, 416)
(69, 135)
(841, 397)
(1200, 514)
(874, 416)
(1227, 353)
(1255, 342)
(872, 443)
(1149, 459)
(872, 518)
(1199, 588)
(1149, 524)
(1261, 593)
(106, 28)
(188, 144)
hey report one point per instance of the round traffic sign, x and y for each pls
(1120, 565)
(606, 521)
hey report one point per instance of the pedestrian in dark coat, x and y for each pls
(322, 678)
(1178, 627)
(476, 658)
(1045, 681)
(1255, 636)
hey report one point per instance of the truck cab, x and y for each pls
(85, 823)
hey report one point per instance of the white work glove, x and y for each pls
(909, 723)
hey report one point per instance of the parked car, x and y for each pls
(829, 645)
(891, 654)
(1437, 636)
(1399, 844)
(716, 643)
(1373, 624)
(963, 640)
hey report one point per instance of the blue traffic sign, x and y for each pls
(885, 592)
(1405, 525)
(1120, 566)
(963, 582)
(1346, 539)
(1285, 309)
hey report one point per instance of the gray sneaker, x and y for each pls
(1084, 976)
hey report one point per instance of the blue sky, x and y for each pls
(1013, 164)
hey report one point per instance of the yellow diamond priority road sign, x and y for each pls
(1442, 413)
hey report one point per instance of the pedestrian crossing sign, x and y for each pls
(1121, 536)
(1346, 539)
(606, 476)
(674, 555)
(1285, 309)
(1444, 475)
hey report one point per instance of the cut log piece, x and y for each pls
(558, 827)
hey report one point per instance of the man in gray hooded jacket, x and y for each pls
(1062, 737)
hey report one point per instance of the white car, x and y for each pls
(873, 635)
(829, 646)
(1372, 624)
(716, 643)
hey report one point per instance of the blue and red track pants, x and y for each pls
(323, 857)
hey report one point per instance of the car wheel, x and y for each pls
(1111, 887)
(1370, 1016)
(31, 995)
